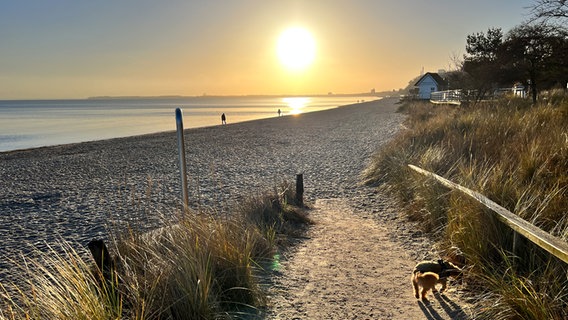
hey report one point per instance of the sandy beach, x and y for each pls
(354, 263)
(71, 191)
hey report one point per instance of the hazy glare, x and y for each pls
(77, 49)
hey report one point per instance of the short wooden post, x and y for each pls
(300, 189)
(516, 243)
(519, 247)
(103, 260)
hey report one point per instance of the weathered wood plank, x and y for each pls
(548, 242)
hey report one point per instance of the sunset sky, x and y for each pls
(61, 49)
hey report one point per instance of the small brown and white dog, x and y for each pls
(427, 274)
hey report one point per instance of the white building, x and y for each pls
(429, 83)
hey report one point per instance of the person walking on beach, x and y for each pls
(279, 112)
(223, 119)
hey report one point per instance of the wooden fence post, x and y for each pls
(300, 189)
(103, 260)
(182, 162)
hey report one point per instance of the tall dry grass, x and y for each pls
(205, 266)
(514, 153)
(60, 285)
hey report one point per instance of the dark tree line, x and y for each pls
(534, 53)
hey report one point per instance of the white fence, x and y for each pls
(457, 96)
(446, 97)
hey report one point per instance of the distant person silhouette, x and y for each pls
(223, 119)
(279, 112)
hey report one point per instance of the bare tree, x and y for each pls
(549, 9)
(456, 62)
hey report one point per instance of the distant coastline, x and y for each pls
(382, 94)
(35, 123)
(364, 94)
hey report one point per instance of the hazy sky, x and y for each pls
(76, 49)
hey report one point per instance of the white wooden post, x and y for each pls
(182, 163)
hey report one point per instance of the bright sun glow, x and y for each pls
(296, 48)
(296, 104)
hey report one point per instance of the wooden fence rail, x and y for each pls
(548, 242)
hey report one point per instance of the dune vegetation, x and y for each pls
(203, 266)
(515, 153)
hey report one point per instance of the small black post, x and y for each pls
(103, 260)
(300, 189)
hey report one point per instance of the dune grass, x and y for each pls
(205, 266)
(512, 152)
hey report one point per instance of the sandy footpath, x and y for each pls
(71, 192)
(349, 268)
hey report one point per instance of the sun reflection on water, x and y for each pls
(296, 104)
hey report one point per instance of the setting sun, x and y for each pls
(296, 48)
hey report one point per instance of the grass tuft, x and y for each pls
(541, 294)
(61, 286)
(205, 266)
(515, 154)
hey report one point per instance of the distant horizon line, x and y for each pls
(242, 95)
(139, 97)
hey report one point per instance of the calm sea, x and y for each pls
(35, 123)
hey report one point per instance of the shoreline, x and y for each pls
(83, 120)
(76, 192)
(174, 130)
